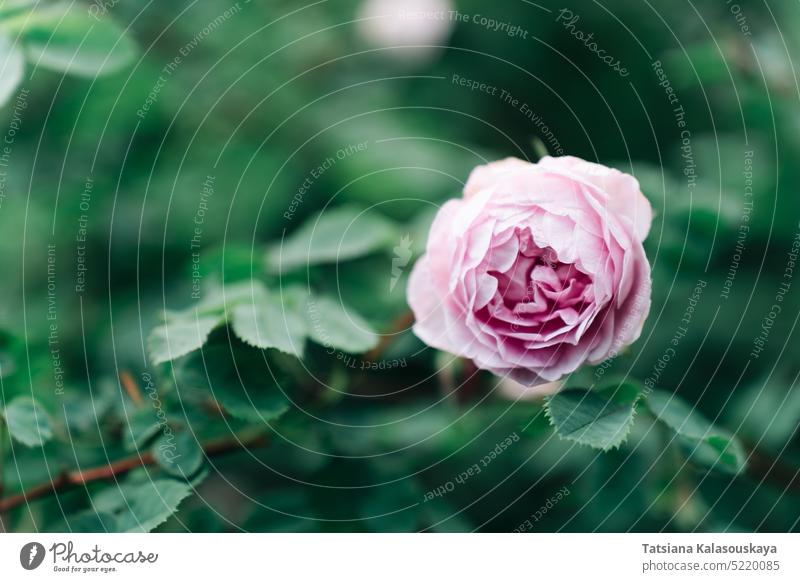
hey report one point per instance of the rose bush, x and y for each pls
(538, 269)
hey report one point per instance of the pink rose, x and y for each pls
(538, 269)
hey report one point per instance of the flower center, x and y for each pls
(538, 294)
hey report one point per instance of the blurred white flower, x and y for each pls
(405, 26)
(512, 390)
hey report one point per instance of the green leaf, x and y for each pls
(65, 37)
(250, 398)
(28, 422)
(180, 455)
(246, 382)
(332, 236)
(332, 326)
(705, 443)
(621, 391)
(268, 323)
(769, 408)
(141, 507)
(13, 67)
(257, 404)
(721, 452)
(180, 335)
(678, 415)
(590, 418)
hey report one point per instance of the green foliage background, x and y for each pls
(112, 163)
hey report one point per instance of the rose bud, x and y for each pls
(513, 390)
(538, 269)
(411, 31)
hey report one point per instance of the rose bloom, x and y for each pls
(538, 269)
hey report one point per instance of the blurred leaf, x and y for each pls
(28, 422)
(706, 444)
(64, 37)
(588, 418)
(13, 67)
(720, 452)
(179, 454)
(769, 411)
(678, 415)
(141, 507)
(331, 325)
(333, 235)
(180, 335)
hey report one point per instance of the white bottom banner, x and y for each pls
(400, 557)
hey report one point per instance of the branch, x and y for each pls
(69, 479)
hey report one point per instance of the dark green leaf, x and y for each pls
(245, 382)
(257, 405)
(620, 391)
(589, 418)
